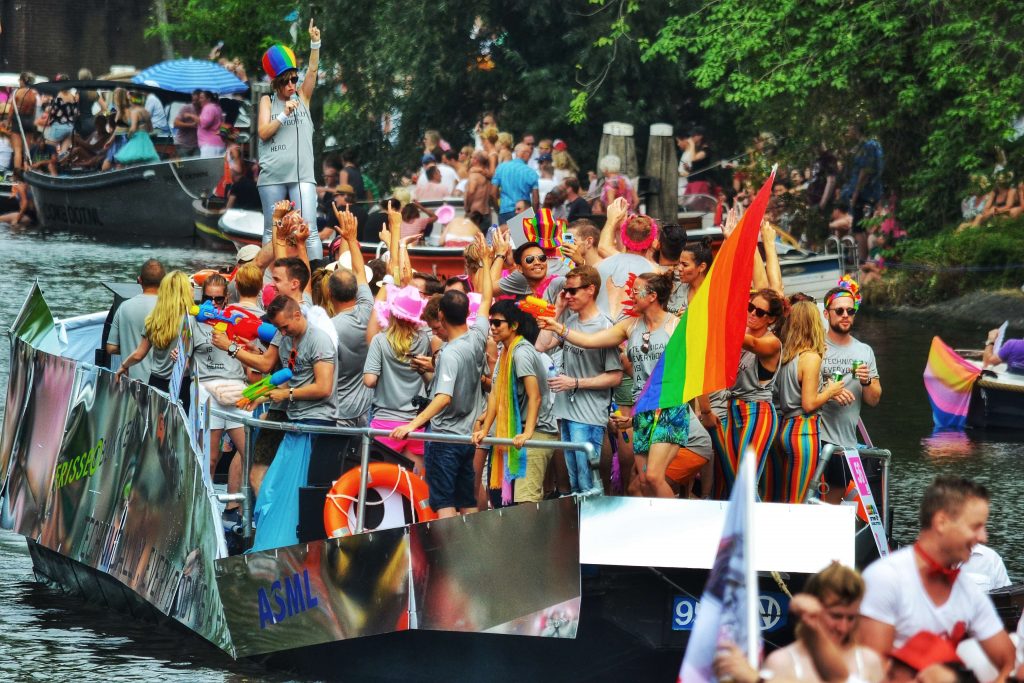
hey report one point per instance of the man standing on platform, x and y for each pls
(852, 362)
(583, 389)
(129, 321)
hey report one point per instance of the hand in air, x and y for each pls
(301, 233)
(281, 208)
(731, 219)
(346, 223)
(314, 32)
(617, 210)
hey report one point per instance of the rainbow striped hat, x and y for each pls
(544, 229)
(278, 59)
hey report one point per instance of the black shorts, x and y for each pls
(859, 212)
(450, 475)
(267, 441)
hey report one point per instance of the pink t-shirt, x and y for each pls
(415, 227)
(208, 132)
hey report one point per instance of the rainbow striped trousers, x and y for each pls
(751, 424)
(797, 449)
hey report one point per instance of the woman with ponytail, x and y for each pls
(388, 370)
(799, 399)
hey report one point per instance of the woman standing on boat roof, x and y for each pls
(286, 138)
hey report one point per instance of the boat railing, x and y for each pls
(846, 248)
(883, 456)
(365, 435)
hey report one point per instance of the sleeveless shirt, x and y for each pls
(748, 387)
(287, 157)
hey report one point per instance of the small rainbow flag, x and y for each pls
(948, 379)
(703, 354)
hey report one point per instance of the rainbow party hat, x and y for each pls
(278, 59)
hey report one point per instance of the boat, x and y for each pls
(108, 482)
(146, 200)
(207, 215)
(997, 397)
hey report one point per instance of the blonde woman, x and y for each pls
(163, 329)
(799, 399)
(563, 163)
(388, 369)
(489, 141)
(504, 147)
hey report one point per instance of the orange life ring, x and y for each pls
(339, 515)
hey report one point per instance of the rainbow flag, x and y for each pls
(703, 354)
(948, 379)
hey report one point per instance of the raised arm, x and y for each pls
(617, 210)
(347, 229)
(309, 82)
(771, 258)
(487, 287)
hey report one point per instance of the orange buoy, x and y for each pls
(387, 479)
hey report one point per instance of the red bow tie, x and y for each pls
(948, 574)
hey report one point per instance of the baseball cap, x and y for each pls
(247, 253)
(427, 159)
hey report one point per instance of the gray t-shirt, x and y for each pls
(587, 406)
(788, 392)
(211, 362)
(615, 270)
(460, 365)
(314, 346)
(644, 360)
(127, 330)
(528, 362)
(397, 382)
(748, 387)
(838, 423)
(354, 397)
(516, 284)
(288, 156)
(698, 440)
(678, 300)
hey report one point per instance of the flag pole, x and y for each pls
(753, 597)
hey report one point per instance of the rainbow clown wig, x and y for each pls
(278, 59)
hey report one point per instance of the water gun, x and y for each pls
(236, 323)
(537, 307)
(264, 386)
(628, 303)
(617, 412)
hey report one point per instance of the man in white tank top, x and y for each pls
(920, 588)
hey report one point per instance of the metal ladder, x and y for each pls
(846, 248)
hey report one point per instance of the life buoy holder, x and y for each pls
(388, 479)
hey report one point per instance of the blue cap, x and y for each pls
(427, 158)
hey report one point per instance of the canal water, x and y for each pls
(45, 635)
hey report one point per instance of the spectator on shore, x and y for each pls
(208, 130)
(615, 184)
(565, 166)
(515, 181)
(576, 206)
(863, 188)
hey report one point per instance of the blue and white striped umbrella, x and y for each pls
(186, 75)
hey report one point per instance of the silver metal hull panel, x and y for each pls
(509, 571)
(814, 275)
(104, 474)
(144, 201)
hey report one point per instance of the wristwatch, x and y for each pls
(233, 349)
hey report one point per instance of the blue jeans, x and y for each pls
(584, 474)
(303, 195)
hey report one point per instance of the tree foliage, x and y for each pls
(441, 65)
(940, 84)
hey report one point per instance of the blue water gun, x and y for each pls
(236, 324)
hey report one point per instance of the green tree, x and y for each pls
(940, 84)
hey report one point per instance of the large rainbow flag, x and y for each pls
(948, 378)
(703, 354)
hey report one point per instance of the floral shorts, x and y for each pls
(667, 425)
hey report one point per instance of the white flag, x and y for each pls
(729, 607)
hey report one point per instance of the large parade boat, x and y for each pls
(108, 482)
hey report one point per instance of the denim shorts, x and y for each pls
(450, 475)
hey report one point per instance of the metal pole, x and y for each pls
(245, 489)
(364, 480)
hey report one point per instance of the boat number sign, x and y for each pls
(860, 480)
(774, 607)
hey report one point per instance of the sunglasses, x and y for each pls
(639, 293)
(646, 345)
(215, 299)
(759, 312)
(496, 322)
(844, 311)
(539, 257)
(293, 80)
(571, 291)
